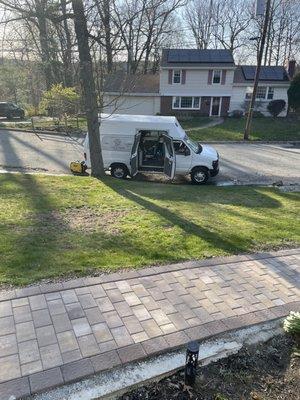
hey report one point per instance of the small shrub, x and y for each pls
(275, 107)
(236, 114)
(291, 324)
(294, 93)
(256, 114)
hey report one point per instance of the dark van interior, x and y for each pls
(151, 151)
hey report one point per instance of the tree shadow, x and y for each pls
(229, 244)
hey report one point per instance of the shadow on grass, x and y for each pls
(233, 243)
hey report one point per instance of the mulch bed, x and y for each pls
(267, 371)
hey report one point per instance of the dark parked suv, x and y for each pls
(11, 110)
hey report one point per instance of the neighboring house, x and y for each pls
(273, 84)
(131, 94)
(196, 82)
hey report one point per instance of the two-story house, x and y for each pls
(199, 82)
(196, 82)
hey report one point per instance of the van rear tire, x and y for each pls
(199, 176)
(119, 171)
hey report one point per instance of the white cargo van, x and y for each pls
(155, 144)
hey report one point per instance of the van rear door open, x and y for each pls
(169, 162)
(134, 159)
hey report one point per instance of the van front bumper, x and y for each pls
(215, 170)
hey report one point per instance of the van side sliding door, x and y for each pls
(134, 159)
(169, 162)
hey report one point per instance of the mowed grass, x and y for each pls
(63, 226)
(270, 129)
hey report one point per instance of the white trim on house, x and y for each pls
(131, 94)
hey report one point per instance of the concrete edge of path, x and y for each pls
(118, 381)
(78, 370)
(44, 288)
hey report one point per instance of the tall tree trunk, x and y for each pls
(67, 51)
(44, 42)
(88, 87)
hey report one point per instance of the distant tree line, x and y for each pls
(129, 34)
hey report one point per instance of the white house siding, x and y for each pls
(131, 104)
(239, 94)
(196, 84)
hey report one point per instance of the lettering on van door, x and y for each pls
(117, 143)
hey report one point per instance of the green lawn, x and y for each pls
(195, 122)
(43, 123)
(65, 226)
(262, 129)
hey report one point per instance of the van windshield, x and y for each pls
(196, 147)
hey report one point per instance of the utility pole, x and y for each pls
(257, 72)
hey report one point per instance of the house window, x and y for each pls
(176, 76)
(196, 102)
(249, 92)
(270, 93)
(261, 92)
(186, 102)
(216, 77)
(176, 102)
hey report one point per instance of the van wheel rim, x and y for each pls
(118, 173)
(199, 176)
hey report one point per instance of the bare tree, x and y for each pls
(142, 23)
(199, 16)
(231, 18)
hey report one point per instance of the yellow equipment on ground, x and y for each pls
(78, 167)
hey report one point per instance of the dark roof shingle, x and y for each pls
(194, 57)
(120, 82)
(246, 73)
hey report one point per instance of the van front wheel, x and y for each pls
(119, 171)
(199, 175)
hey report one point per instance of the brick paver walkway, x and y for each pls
(54, 334)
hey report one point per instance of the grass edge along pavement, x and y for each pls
(61, 227)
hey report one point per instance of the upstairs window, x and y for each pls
(216, 77)
(270, 93)
(176, 76)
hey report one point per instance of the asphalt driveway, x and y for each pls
(240, 163)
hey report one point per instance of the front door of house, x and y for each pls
(215, 106)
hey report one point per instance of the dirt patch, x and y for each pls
(84, 219)
(268, 371)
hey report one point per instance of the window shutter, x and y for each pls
(183, 78)
(210, 75)
(170, 76)
(223, 77)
